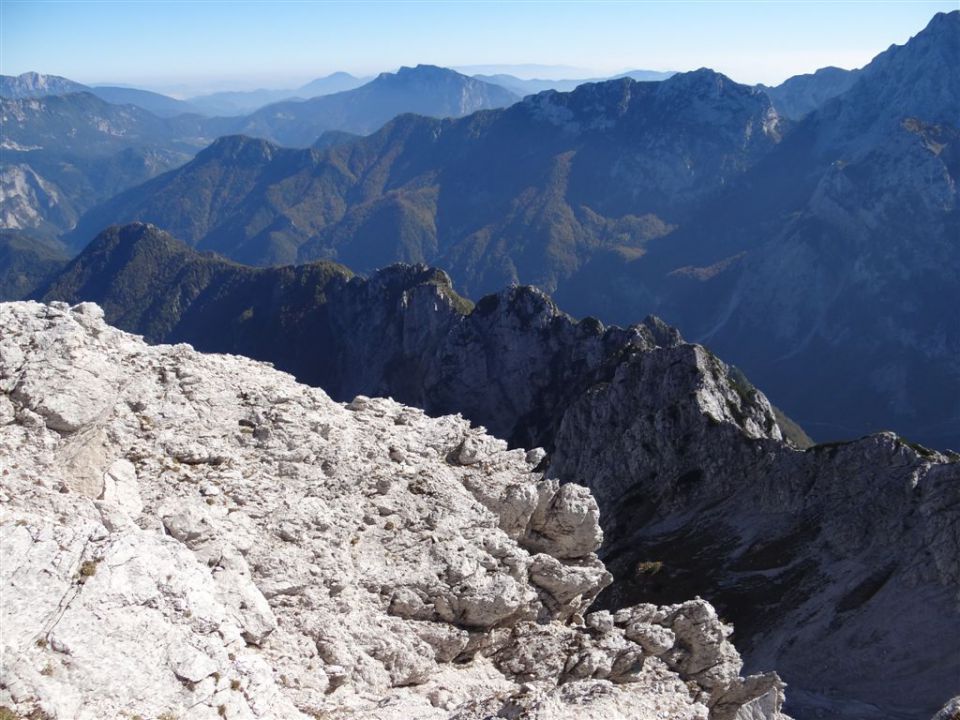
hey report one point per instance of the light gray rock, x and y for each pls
(120, 487)
(288, 566)
(566, 522)
(949, 711)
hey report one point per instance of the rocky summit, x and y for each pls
(199, 536)
(813, 552)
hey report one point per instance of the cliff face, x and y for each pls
(838, 564)
(199, 536)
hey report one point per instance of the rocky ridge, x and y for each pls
(512, 363)
(820, 558)
(813, 555)
(199, 536)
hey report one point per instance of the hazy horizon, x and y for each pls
(184, 48)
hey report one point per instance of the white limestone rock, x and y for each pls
(200, 536)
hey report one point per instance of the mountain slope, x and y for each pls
(524, 192)
(425, 90)
(84, 124)
(160, 105)
(816, 554)
(232, 103)
(65, 153)
(800, 94)
(834, 282)
(33, 84)
(27, 263)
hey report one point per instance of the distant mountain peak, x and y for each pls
(241, 147)
(948, 22)
(33, 84)
(424, 68)
(702, 80)
(429, 73)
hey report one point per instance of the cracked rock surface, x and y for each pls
(199, 536)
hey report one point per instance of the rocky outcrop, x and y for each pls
(807, 552)
(198, 536)
(821, 558)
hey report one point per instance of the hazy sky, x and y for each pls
(213, 43)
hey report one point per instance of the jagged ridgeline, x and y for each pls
(808, 551)
(68, 147)
(510, 363)
(819, 254)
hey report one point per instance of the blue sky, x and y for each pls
(180, 45)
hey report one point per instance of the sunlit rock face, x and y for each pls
(189, 535)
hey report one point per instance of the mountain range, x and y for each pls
(244, 102)
(423, 474)
(426, 90)
(694, 198)
(796, 248)
(36, 85)
(531, 86)
(63, 153)
(226, 103)
(704, 489)
(486, 192)
(68, 146)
